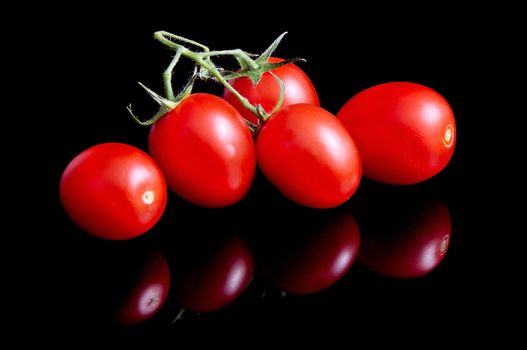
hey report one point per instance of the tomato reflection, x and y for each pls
(147, 293)
(318, 256)
(211, 278)
(408, 243)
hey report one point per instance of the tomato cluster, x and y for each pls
(207, 148)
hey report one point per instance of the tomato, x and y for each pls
(319, 258)
(298, 89)
(309, 156)
(405, 132)
(209, 283)
(148, 292)
(412, 245)
(205, 151)
(113, 191)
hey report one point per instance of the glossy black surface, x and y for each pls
(79, 281)
(293, 249)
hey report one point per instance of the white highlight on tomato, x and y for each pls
(148, 197)
(431, 113)
(230, 151)
(236, 278)
(341, 262)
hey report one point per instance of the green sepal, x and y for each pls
(165, 105)
(255, 74)
(262, 64)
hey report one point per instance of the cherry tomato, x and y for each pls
(412, 245)
(309, 156)
(298, 89)
(211, 282)
(205, 151)
(147, 294)
(405, 132)
(318, 259)
(113, 191)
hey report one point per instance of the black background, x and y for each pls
(87, 74)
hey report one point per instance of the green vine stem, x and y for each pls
(203, 60)
(166, 104)
(167, 76)
(249, 67)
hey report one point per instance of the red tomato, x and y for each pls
(205, 151)
(113, 191)
(205, 285)
(309, 156)
(298, 89)
(405, 132)
(412, 247)
(320, 258)
(147, 294)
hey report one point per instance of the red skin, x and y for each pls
(218, 281)
(309, 156)
(205, 151)
(413, 251)
(405, 132)
(321, 260)
(298, 89)
(147, 294)
(113, 191)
